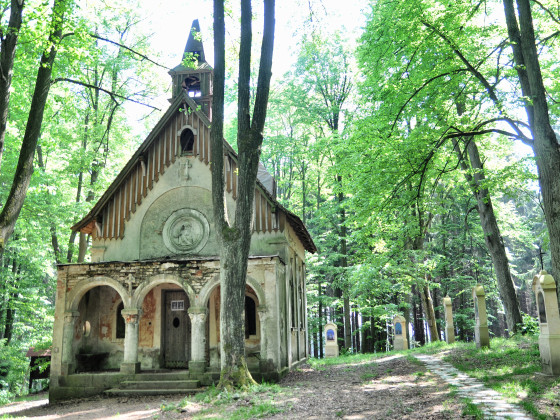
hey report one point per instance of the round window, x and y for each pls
(176, 322)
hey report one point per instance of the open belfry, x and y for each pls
(147, 306)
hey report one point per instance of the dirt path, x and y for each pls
(394, 387)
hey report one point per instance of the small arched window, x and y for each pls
(250, 317)
(187, 142)
(120, 329)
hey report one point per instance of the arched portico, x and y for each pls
(204, 294)
(80, 289)
(208, 301)
(88, 322)
(164, 322)
(159, 279)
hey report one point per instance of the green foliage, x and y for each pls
(472, 410)
(530, 326)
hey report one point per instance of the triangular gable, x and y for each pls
(160, 149)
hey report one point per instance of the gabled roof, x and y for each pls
(117, 187)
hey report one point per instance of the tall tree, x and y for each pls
(24, 170)
(235, 236)
(8, 42)
(534, 97)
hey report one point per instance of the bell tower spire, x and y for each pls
(194, 76)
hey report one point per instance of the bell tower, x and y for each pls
(194, 76)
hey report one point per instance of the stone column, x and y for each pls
(197, 364)
(130, 363)
(266, 362)
(544, 287)
(68, 362)
(400, 342)
(481, 328)
(331, 340)
(449, 327)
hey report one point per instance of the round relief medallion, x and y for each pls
(185, 231)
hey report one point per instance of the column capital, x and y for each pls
(262, 310)
(197, 317)
(131, 316)
(198, 310)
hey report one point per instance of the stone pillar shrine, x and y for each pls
(400, 341)
(331, 341)
(549, 322)
(449, 327)
(481, 328)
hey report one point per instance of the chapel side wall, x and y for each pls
(295, 286)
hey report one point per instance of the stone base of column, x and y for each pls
(481, 336)
(197, 366)
(400, 344)
(549, 347)
(67, 369)
(331, 350)
(449, 335)
(130, 368)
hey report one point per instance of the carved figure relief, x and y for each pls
(186, 231)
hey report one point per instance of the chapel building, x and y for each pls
(147, 306)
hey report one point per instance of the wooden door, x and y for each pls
(177, 329)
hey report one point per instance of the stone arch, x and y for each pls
(145, 287)
(80, 289)
(206, 291)
(187, 127)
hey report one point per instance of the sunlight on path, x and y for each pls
(491, 402)
(16, 407)
(19, 410)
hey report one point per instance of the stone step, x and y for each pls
(118, 392)
(164, 385)
(162, 376)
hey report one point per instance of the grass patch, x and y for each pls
(414, 360)
(319, 364)
(254, 402)
(259, 410)
(471, 409)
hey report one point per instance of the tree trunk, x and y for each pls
(437, 314)
(546, 150)
(343, 286)
(235, 239)
(320, 296)
(24, 169)
(418, 320)
(7, 54)
(429, 311)
(492, 236)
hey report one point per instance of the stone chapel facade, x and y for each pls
(150, 297)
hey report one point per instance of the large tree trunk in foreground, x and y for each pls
(492, 236)
(24, 170)
(236, 237)
(8, 43)
(546, 148)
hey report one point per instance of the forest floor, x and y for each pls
(392, 387)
